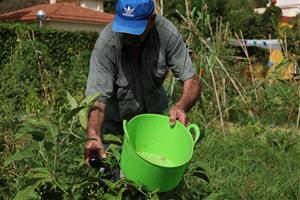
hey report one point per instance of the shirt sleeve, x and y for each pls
(178, 58)
(101, 72)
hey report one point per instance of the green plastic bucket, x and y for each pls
(154, 154)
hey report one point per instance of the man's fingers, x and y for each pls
(183, 119)
(172, 118)
(86, 161)
(102, 152)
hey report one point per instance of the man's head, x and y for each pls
(132, 16)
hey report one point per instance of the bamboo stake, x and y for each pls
(187, 12)
(249, 62)
(298, 118)
(162, 7)
(224, 97)
(217, 98)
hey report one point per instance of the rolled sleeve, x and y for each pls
(178, 58)
(101, 72)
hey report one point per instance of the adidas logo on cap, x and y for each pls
(128, 11)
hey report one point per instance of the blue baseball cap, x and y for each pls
(132, 16)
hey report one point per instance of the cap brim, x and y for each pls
(129, 26)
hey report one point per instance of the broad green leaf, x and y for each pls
(41, 173)
(37, 129)
(20, 155)
(27, 191)
(118, 184)
(155, 191)
(29, 129)
(72, 102)
(20, 135)
(111, 138)
(154, 197)
(86, 182)
(40, 170)
(72, 113)
(53, 129)
(109, 183)
(83, 117)
(214, 196)
(90, 99)
(120, 194)
(83, 114)
(37, 122)
(108, 196)
(115, 151)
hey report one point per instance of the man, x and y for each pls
(128, 65)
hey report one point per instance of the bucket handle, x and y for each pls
(125, 129)
(197, 132)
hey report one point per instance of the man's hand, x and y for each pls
(177, 112)
(96, 119)
(189, 96)
(91, 145)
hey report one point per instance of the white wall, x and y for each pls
(285, 3)
(290, 12)
(92, 4)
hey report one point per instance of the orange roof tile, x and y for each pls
(59, 12)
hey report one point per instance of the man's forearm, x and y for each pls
(96, 119)
(190, 93)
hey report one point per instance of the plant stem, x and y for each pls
(224, 97)
(42, 153)
(217, 98)
(40, 69)
(55, 158)
(298, 117)
(58, 184)
(162, 7)
(249, 62)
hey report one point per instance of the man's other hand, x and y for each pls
(176, 112)
(94, 143)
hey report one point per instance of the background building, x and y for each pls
(83, 15)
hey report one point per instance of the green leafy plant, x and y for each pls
(50, 169)
(49, 146)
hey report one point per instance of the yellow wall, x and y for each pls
(282, 68)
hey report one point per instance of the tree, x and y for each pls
(11, 5)
(260, 3)
(109, 6)
(270, 21)
(237, 12)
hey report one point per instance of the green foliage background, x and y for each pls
(38, 66)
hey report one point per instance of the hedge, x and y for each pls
(61, 44)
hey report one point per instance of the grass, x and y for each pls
(244, 164)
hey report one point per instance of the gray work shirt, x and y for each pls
(128, 87)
